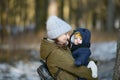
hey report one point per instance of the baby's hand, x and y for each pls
(93, 67)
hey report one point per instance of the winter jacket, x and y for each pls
(82, 52)
(60, 57)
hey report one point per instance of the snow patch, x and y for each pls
(104, 51)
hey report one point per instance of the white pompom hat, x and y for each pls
(56, 27)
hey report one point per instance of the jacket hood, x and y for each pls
(47, 46)
(86, 36)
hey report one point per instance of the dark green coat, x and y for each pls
(61, 57)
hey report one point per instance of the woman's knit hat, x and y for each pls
(56, 27)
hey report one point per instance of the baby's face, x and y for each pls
(77, 40)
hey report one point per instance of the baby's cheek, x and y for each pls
(75, 42)
(80, 42)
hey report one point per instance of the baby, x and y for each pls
(80, 44)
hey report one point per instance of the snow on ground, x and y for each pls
(19, 71)
(104, 53)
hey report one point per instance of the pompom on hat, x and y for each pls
(56, 27)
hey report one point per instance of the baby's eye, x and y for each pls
(75, 38)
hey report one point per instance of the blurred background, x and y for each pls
(23, 25)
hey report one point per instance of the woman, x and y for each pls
(57, 55)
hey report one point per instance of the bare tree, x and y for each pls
(70, 10)
(3, 5)
(110, 15)
(116, 75)
(61, 6)
(40, 13)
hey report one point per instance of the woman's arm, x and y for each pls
(65, 61)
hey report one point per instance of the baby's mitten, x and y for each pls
(94, 69)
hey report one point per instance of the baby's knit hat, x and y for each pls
(56, 27)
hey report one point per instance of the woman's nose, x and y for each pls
(68, 36)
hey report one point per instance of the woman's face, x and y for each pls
(63, 39)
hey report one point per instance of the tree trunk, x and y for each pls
(37, 14)
(70, 10)
(61, 6)
(119, 21)
(3, 20)
(79, 12)
(116, 75)
(40, 14)
(94, 20)
(110, 15)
